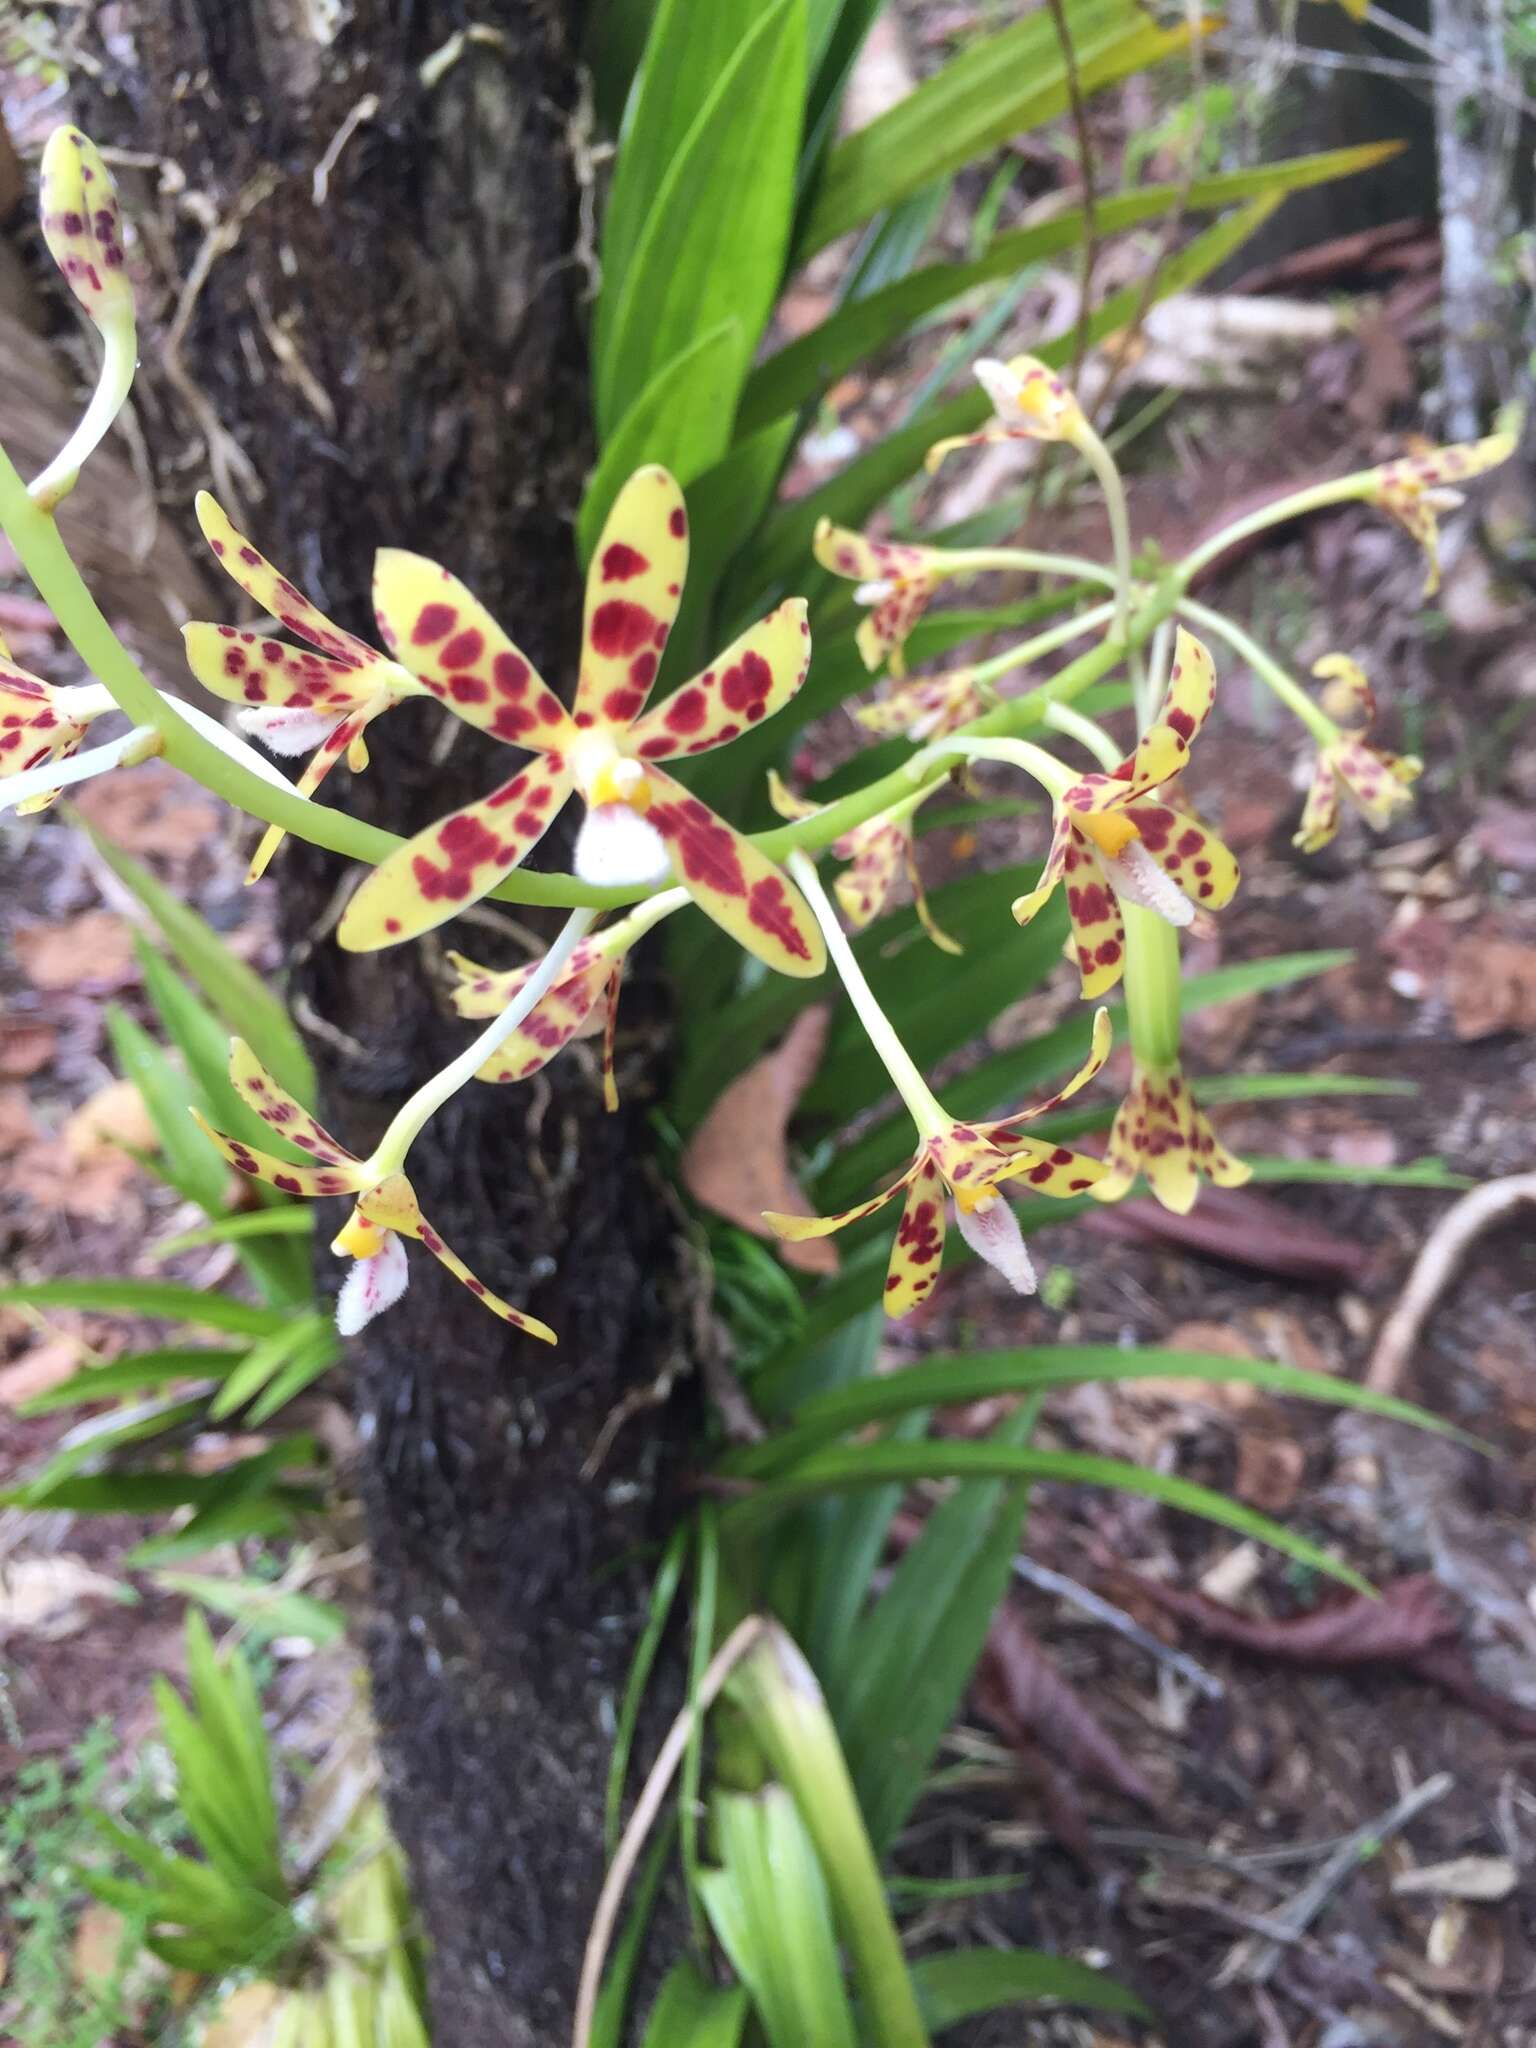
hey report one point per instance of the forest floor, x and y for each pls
(1174, 1816)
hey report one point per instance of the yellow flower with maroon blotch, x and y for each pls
(971, 1163)
(640, 825)
(896, 578)
(1029, 401)
(41, 723)
(1376, 782)
(1118, 837)
(385, 1211)
(928, 708)
(878, 851)
(1415, 489)
(1160, 1130)
(291, 699)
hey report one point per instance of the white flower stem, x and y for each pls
(927, 1113)
(119, 357)
(1053, 775)
(138, 744)
(1105, 468)
(1358, 485)
(390, 1153)
(1086, 732)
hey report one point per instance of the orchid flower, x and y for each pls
(385, 1211)
(878, 851)
(1415, 489)
(1119, 838)
(968, 1161)
(928, 708)
(1375, 781)
(291, 699)
(1161, 1131)
(640, 824)
(1029, 402)
(42, 724)
(82, 225)
(583, 1002)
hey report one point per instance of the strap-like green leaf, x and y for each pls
(966, 1981)
(999, 88)
(132, 1375)
(189, 1158)
(690, 2013)
(162, 1298)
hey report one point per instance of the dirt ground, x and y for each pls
(1174, 1816)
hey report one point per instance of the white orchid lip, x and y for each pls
(616, 848)
(372, 1285)
(288, 731)
(874, 593)
(1136, 877)
(1002, 386)
(992, 1231)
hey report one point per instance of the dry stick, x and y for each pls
(1434, 1268)
(1089, 247)
(1089, 1602)
(1255, 1962)
(641, 1821)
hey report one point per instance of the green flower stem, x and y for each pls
(1151, 987)
(1105, 468)
(390, 1153)
(1062, 718)
(972, 561)
(1043, 643)
(777, 1691)
(118, 362)
(1052, 775)
(1284, 685)
(927, 1112)
(1359, 484)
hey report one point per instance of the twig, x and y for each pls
(1254, 1962)
(365, 110)
(1433, 1270)
(1050, 1581)
(641, 1821)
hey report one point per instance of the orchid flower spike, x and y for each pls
(897, 579)
(640, 825)
(1415, 489)
(582, 1002)
(386, 1209)
(879, 850)
(1376, 782)
(42, 724)
(1029, 402)
(1160, 1130)
(1118, 837)
(82, 225)
(971, 1163)
(291, 700)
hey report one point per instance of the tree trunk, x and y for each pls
(403, 362)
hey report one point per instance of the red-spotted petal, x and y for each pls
(918, 1250)
(1187, 851)
(83, 225)
(251, 668)
(740, 888)
(1191, 688)
(293, 1180)
(446, 637)
(1099, 1047)
(1320, 813)
(454, 862)
(568, 1011)
(634, 587)
(1159, 1130)
(797, 1228)
(756, 676)
(273, 591)
(336, 743)
(1098, 930)
(275, 1106)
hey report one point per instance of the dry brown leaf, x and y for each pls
(1492, 986)
(49, 1176)
(1408, 1616)
(244, 2019)
(113, 1117)
(44, 1366)
(1269, 1470)
(737, 1163)
(92, 950)
(50, 1596)
(1464, 1877)
(150, 809)
(26, 1046)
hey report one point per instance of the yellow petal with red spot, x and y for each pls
(275, 1106)
(340, 1179)
(740, 888)
(442, 633)
(927, 709)
(561, 1015)
(1160, 1131)
(1348, 697)
(1320, 813)
(82, 224)
(634, 587)
(518, 1318)
(797, 1228)
(1098, 930)
(1159, 755)
(1188, 852)
(1191, 689)
(756, 676)
(273, 591)
(918, 1250)
(454, 862)
(1026, 907)
(1099, 1046)
(864, 888)
(346, 739)
(392, 1205)
(251, 668)
(1377, 782)
(1053, 1170)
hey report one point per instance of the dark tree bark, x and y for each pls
(404, 363)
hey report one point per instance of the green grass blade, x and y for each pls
(663, 1592)
(968, 1981)
(690, 2013)
(291, 1220)
(164, 1299)
(132, 1375)
(189, 1158)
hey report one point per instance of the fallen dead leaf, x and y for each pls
(244, 2018)
(1237, 1569)
(1464, 1877)
(50, 1596)
(1025, 1697)
(1408, 1616)
(1269, 1470)
(1491, 983)
(45, 1365)
(151, 809)
(26, 1047)
(92, 950)
(113, 1117)
(737, 1163)
(49, 1176)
